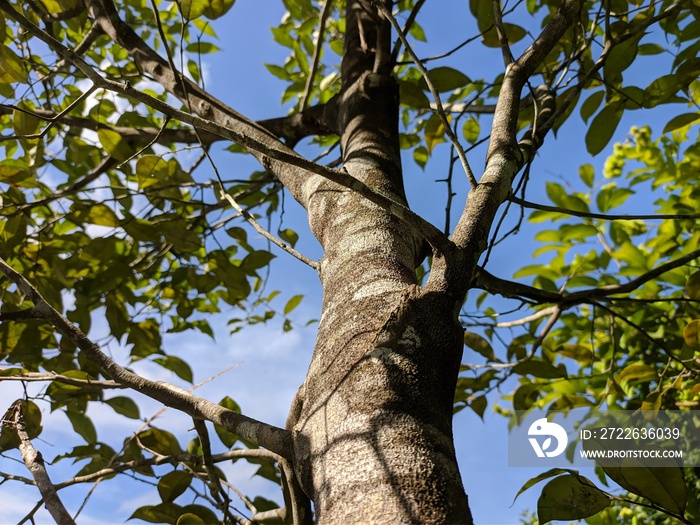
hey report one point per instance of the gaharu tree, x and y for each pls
(119, 208)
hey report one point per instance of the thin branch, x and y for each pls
(31, 377)
(151, 143)
(105, 165)
(527, 319)
(646, 335)
(52, 121)
(318, 45)
(132, 135)
(406, 28)
(436, 95)
(262, 231)
(35, 463)
(214, 484)
(268, 436)
(159, 459)
(603, 216)
(500, 30)
(507, 288)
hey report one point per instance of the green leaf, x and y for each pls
(13, 171)
(603, 128)
(610, 196)
(150, 170)
(160, 441)
(11, 66)
(514, 33)
(420, 155)
(470, 130)
(570, 497)
(540, 368)
(176, 365)
(31, 414)
(591, 105)
(681, 121)
(114, 144)
(99, 214)
(217, 8)
(82, 425)
(445, 79)
(412, 96)
(692, 286)
(525, 396)
(638, 373)
(125, 406)
(664, 486)
(163, 513)
(434, 132)
(620, 58)
(587, 174)
(650, 49)
(192, 9)
(174, 484)
(691, 334)
(541, 477)
(479, 345)
(22, 122)
(479, 405)
(190, 519)
(416, 31)
(292, 304)
(289, 236)
(256, 260)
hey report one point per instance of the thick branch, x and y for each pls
(268, 436)
(505, 158)
(315, 120)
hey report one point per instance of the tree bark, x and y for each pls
(373, 421)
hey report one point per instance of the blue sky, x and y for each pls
(271, 365)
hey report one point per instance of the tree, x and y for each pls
(104, 213)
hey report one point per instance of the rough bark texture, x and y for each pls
(373, 433)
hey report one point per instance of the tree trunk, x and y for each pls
(373, 421)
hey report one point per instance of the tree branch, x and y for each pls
(35, 463)
(325, 11)
(504, 157)
(32, 377)
(268, 436)
(436, 95)
(603, 216)
(493, 284)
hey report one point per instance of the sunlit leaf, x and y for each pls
(173, 484)
(570, 497)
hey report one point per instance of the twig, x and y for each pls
(500, 30)
(318, 45)
(602, 216)
(438, 103)
(262, 231)
(86, 384)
